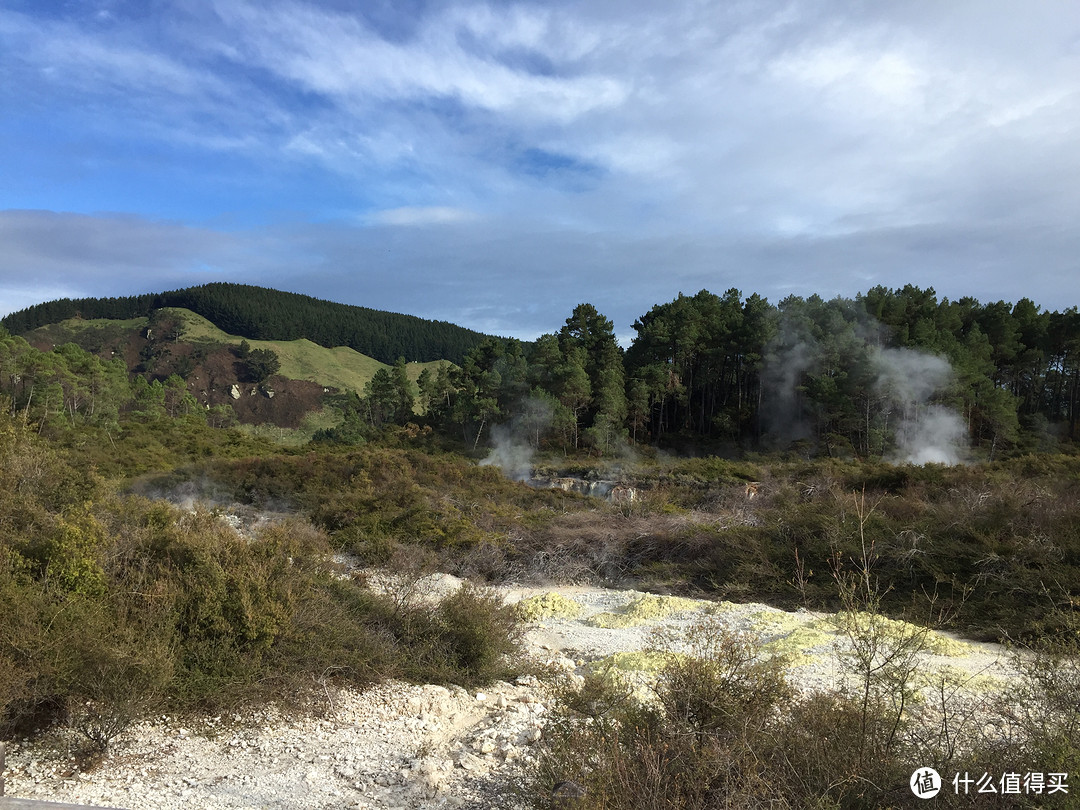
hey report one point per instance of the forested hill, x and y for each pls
(264, 314)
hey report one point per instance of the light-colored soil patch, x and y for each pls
(645, 609)
(623, 623)
(420, 747)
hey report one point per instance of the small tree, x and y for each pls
(883, 655)
(262, 364)
(403, 391)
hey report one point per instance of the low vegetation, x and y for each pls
(721, 728)
(117, 606)
(992, 551)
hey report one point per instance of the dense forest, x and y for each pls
(897, 374)
(263, 314)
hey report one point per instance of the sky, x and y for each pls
(495, 164)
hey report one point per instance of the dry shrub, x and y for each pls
(721, 687)
(117, 670)
(693, 746)
(27, 694)
(601, 546)
(1043, 708)
(725, 732)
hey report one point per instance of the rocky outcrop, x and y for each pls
(614, 491)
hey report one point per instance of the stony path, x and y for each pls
(411, 747)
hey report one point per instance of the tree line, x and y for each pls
(70, 387)
(843, 377)
(846, 377)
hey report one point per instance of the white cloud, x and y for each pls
(71, 57)
(860, 78)
(338, 55)
(422, 215)
(630, 149)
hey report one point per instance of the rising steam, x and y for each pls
(908, 385)
(936, 436)
(928, 432)
(515, 442)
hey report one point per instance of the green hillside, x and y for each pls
(258, 313)
(339, 367)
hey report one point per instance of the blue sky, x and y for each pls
(495, 164)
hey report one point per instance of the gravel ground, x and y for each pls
(407, 746)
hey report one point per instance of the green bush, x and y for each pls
(468, 637)
(170, 607)
(116, 665)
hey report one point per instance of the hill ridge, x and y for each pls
(263, 313)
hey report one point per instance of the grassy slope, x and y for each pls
(66, 331)
(340, 367)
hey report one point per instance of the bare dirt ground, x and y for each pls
(412, 746)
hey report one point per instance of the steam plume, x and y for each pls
(937, 436)
(794, 353)
(907, 385)
(928, 432)
(515, 442)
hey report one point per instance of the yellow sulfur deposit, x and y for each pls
(953, 679)
(648, 608)
(546, 606)
(935, 643)
(795, 644)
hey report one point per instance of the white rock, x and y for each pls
(469, 762)
(531, 735)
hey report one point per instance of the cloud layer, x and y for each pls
(495, 164)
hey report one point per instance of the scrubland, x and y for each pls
(126, 594)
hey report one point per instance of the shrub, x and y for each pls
(26, 666)
(466, 638)
(720, 687)
(1045, 707)
(695, 746)
(725, 730)
(117, 663)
